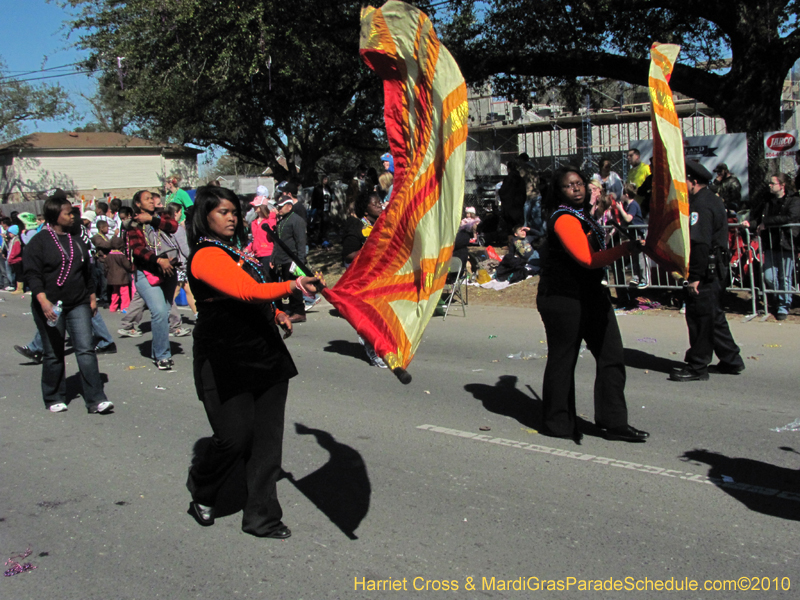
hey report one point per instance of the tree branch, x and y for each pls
(691, 81)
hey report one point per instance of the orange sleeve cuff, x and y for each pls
(576, 243)
(215, 267)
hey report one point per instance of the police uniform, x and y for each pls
(708, 328)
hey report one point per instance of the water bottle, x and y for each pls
(56, 309)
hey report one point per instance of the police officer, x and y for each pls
(708, 328)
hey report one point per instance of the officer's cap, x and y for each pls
(698, 172)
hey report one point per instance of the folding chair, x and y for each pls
(455, 290)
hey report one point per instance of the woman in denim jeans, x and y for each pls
(57, 269)
(155, 276)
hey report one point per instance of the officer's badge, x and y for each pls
(693, 218)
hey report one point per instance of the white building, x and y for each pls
(90, 165)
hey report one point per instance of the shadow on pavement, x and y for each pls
(760, 486)
(340, 488)
(75, 387)
(503, 398)
(636, 359)
(346, 348)
(146, 347)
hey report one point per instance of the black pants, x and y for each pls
(708, 330)
(296, 306)
(272, 273)
(246, 427)
(567, 322)
(102, 283)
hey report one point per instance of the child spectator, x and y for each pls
(521, 247)
(470, 223)
(113, 214)
(14, 260)
(118, 273)
(102, 246)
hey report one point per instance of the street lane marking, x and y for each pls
(612, 462)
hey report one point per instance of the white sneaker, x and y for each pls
(60, 407)
(129, 332)
(103, 408)
(376, 360)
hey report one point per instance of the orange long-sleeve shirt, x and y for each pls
(576, 243)
(216, 268)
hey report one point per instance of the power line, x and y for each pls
(26, 73)
(49, 76)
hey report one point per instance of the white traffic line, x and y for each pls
(613, 462)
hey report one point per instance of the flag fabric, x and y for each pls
(668, 229)
(391, 289)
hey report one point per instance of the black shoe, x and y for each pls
(781, 317)
(205, 518)
(281, 532)
(688, 374)
(35, 357)
(726, 369)
(626, 433)
(110, 349)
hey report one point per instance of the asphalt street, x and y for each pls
(406, 491)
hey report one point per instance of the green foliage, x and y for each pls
(258, 78)
(110, 109)
(22, 102)
(228, 164)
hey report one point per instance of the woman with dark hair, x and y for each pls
(155, 256)
(358, 226)
(241, 365)
(574, 307)
(59, 273)
(777, 242)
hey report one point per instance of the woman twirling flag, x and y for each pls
(390, 291)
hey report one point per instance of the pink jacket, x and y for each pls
(261, 246)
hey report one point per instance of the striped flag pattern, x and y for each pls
(668, 230)
(390, 291)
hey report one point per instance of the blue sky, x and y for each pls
(33, 39)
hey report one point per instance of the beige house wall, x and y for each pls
(92, 174)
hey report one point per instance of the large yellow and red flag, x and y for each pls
(668, 230)
(390, 291)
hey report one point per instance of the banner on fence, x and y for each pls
(780, 143)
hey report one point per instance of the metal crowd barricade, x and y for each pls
(741, 267)
(783, 261)
(741, 277)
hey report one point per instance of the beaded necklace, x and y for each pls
(65, 266)
(599, 234)
(244, 257)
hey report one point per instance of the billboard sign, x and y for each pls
(709, 151)
(780, 143)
